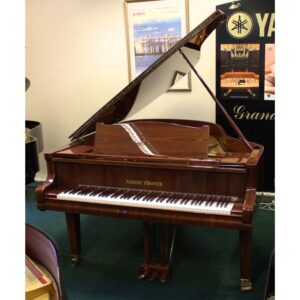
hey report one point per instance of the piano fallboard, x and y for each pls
(70, 173)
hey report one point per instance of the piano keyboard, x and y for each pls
(195, 203)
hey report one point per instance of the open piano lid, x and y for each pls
(155, 80)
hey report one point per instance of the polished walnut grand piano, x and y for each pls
(163, 172)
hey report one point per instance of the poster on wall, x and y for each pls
(269, 72)
(239, 78)
(245, 75)
(153, 27)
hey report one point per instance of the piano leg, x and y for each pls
(73, 225)
(153, 268)
(143, 270)
(245, 259)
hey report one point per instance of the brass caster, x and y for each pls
(75, 260)
(246, 284)
(163, 280)
(141, 276)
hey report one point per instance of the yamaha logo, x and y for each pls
(239, 25)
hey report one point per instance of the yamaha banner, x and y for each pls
(245, 75)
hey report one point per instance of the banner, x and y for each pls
(245, 76)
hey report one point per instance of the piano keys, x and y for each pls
(164, 171)
(149, 199)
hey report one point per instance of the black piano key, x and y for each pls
(208, 199)
(196, 199)
(187, 198)
(101, 192)
(158, 196)
(85, 191)
(74, 191)
(193, 199)
(97, 191)
(220, 202)
(213, 200)
(172, 198)
(227, 201)
(224, 201)
(203, 198)
(178, 197)
(164, 198)
(115, 193)
(149, 196)
(161, 196)
(175, 198)
(138, 195)
(107, 193)
(131, 194)
(141, 196)
(182, 197)
(125, 192)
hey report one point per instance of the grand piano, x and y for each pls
(164, 172)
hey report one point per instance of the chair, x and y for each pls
(43, 249)
(270, 286)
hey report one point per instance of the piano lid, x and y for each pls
(155, 80)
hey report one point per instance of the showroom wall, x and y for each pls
(76, 60)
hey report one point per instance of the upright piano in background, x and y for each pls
(164, 172)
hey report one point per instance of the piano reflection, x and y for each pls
(163, 172)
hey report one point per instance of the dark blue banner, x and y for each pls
(245, 75)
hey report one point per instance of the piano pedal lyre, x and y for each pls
(153, 271)
(156, 240)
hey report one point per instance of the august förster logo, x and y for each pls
(239, 25)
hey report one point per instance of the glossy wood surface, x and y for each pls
(152, 139)
(120, 105)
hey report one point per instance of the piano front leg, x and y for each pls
(245, 259)
(73, 225)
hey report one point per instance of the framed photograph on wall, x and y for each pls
(152, 28)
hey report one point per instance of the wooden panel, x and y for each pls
(73, 174)
(152, 139)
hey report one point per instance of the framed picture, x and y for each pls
(152, 28)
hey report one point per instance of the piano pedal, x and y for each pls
(155, 271)
(75, 260)
(152, 275)
(246, 284)
(143, 272)
(164, 277)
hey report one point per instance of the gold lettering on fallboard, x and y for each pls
(241, 113)
(144, 182)
(153, 183)
(136, 182)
